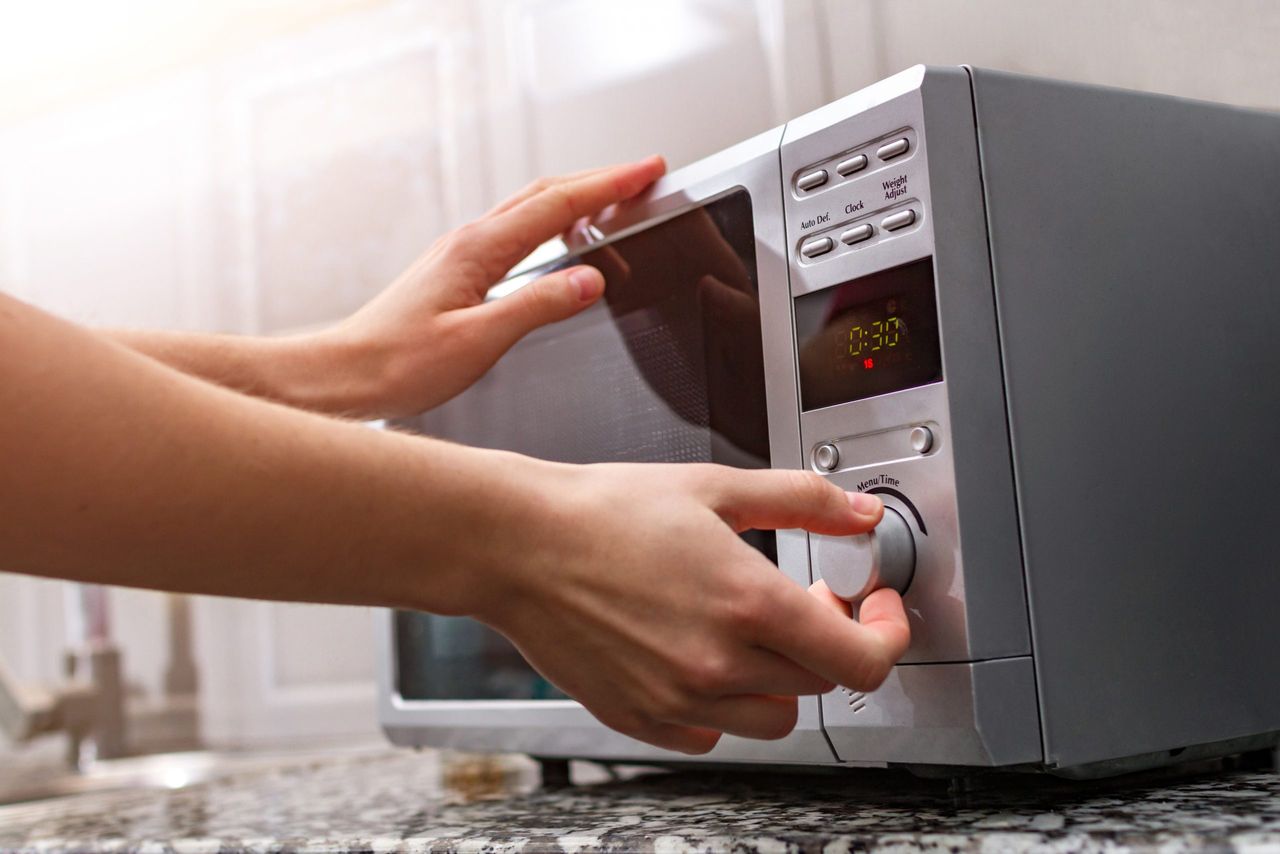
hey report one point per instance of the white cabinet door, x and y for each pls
(336, 155)
(278, 674)
(575, 83)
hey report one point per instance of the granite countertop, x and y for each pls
(389, 800)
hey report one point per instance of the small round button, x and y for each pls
(826, 456)
(922, 440)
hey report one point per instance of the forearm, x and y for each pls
(324, 373)
(121, 471)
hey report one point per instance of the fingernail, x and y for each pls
(863, 504)
(588, 282)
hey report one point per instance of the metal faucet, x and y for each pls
(89, 705)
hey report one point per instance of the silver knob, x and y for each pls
(853, 567)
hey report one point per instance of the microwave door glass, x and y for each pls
(666, 368)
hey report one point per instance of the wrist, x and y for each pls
(332, 372)
(457, 530)
(515, 538)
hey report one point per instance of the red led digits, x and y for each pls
(868, 363)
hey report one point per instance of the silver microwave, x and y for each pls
(1041, 320)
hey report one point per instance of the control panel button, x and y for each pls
(854, 567)
(812, 180)
(816, 246)
(858, 233)
(826, 456)
(845, 168)
(890, 150)
(898, 220)
(921, 440)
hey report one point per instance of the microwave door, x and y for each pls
(667, 367)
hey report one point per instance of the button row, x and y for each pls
(818, 177)
(884, 444)
(815, 246)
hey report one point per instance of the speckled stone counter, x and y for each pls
(391, 801)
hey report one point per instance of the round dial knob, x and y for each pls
(855, 566)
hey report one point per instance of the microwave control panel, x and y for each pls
(873, 400)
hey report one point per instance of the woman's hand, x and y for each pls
(430, 334)
(634, 594)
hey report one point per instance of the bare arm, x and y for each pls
(119, 470)
(320, 372)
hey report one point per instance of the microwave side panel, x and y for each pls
(1137, 278)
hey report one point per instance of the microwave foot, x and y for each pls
(961, 784)
(555, 772)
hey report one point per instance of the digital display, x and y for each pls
(870, 336)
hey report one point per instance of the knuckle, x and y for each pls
(748, 608)
(673, 705)
(508, 244)
(706, 674)
(537, 185)
(660, 705)
(460, 246)
(809, 488)
(467, 235)
(563, 200)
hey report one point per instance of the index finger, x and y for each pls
(520, 229)
(813, 629)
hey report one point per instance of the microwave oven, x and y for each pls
(1040, 319)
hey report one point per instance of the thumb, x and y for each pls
(555, 296)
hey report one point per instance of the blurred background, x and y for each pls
(257, 166)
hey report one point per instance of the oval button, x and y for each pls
(814, 179)
(854, 164)
(890, 150)
(901, 219)
(817, 246)
(858, 233)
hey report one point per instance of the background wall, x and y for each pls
(274, 168)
